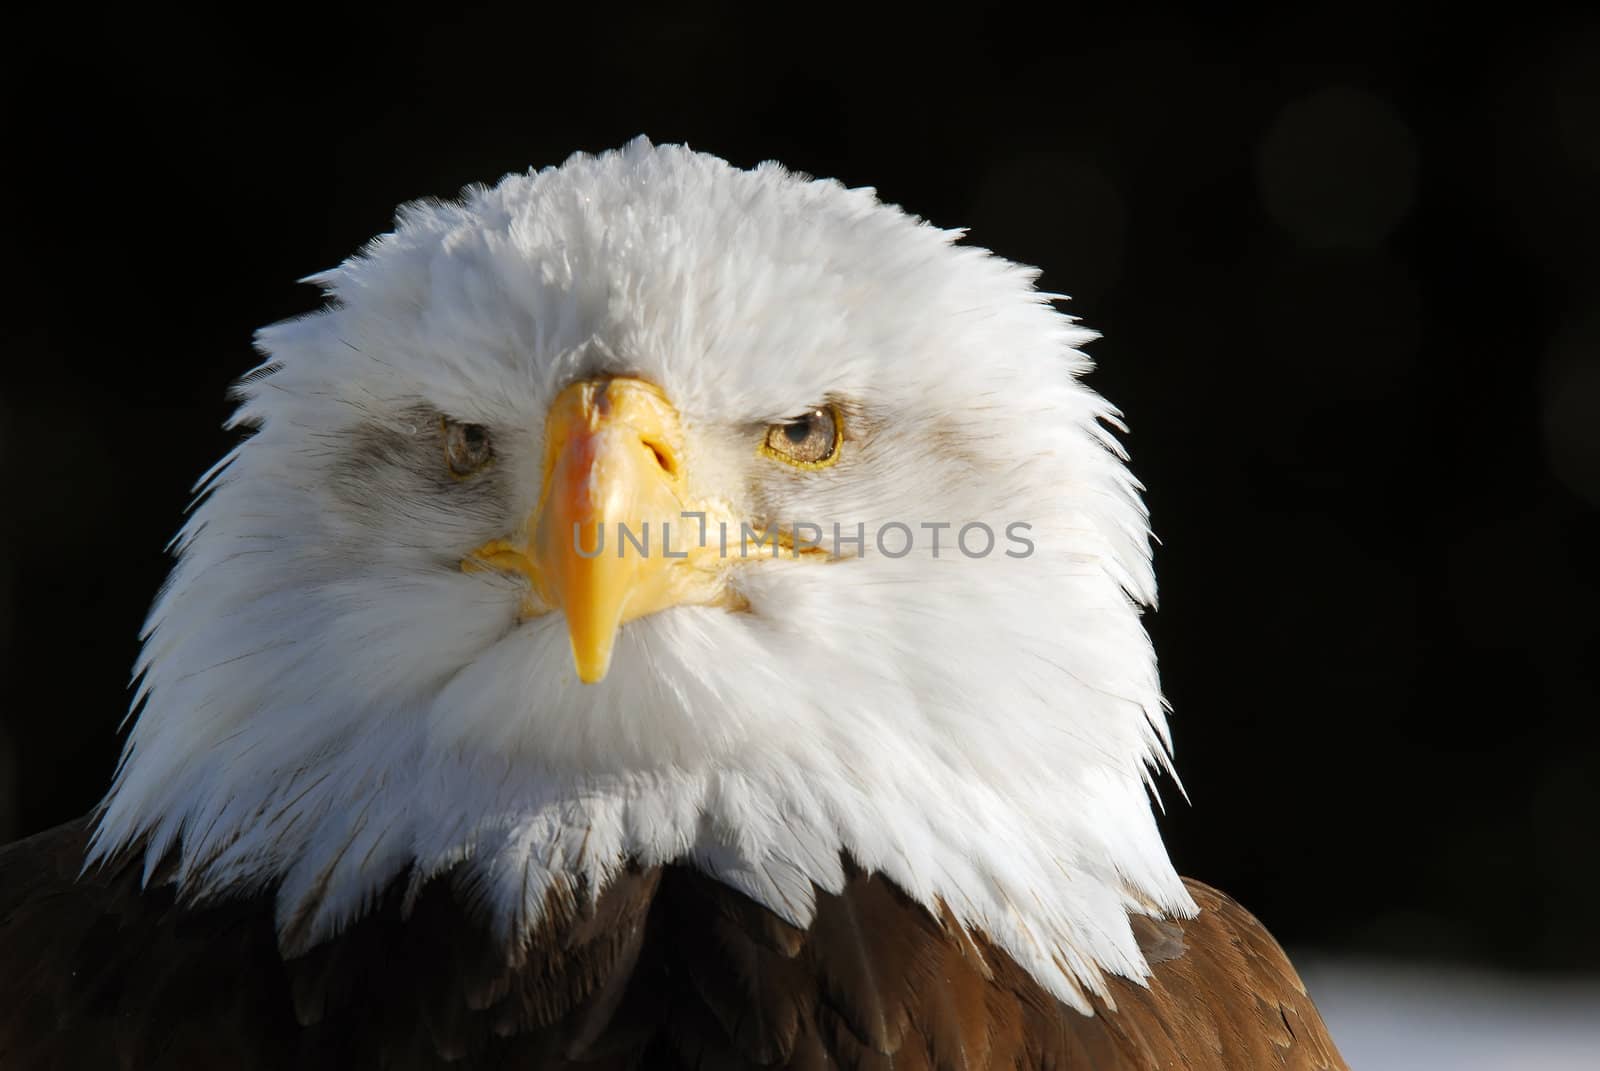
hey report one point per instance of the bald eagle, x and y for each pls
(660, 615)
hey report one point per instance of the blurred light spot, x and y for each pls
(1570, 399)
(1338, 168)
(1056, 211)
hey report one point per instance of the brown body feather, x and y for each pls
(668, 969)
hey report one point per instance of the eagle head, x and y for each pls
(645, 509)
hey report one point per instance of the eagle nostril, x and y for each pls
(663, 456)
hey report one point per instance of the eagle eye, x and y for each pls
(809, 441)
(467, 449)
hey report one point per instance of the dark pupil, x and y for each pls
(473, 435)
(799, 431)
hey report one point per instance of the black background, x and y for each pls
(1344, 264)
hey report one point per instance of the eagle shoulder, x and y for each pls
(878, 981)
(1227, 998)
(102, 971)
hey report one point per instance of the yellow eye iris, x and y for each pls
(466, 448)
(809, 441)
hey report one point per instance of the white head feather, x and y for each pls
(329, 702)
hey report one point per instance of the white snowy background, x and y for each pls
(1414, 1018)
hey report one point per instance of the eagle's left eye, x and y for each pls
(809, 441)
(466, 448)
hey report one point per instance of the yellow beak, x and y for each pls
(609, 540)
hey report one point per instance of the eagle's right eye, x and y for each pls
(467, 449)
